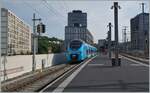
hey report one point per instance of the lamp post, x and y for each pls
(115, 7)
(109, 39)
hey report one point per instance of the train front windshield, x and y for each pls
(76, 44)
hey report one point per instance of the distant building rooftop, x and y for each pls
(140, 15)
(77, 11)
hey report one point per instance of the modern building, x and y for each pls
(77, 28)
(77, 18)
(140, 32)
(101, 43)
(15, 34)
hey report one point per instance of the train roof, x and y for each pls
(83, 42)
(78, 40)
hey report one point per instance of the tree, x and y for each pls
(45, 42)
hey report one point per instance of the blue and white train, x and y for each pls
(78, 50)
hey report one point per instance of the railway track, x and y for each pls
(146, 61)
(39, 79)
(66, 73)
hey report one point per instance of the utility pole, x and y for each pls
(125, 36)
(34, 42)
(0, 41)
(122, 36)
(4, 62)
(109, 39)
(127, 47)
(116, 6)
(4, 70)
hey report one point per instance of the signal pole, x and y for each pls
(34, 42)
(125, 36)
(109, 39)
(0, 41)
(116, 6)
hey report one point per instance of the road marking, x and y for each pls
(95, 64)
(136, 61)
(64, 84)
(135, 64)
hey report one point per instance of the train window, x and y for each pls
(76, 44)
(87, 52)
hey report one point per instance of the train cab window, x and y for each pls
(76, 44)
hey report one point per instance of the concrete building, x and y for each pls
(101, 43)
(77, 28)
(15, 35)
(77, 18)
(78, 33)
(140, 32)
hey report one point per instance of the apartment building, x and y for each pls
(15, 34)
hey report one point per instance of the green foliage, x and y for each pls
(44, 43)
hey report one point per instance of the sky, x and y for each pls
(99, 13)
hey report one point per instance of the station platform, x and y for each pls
(98, 75)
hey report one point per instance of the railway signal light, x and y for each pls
(41, 28)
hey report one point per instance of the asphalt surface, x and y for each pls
(99, 75)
